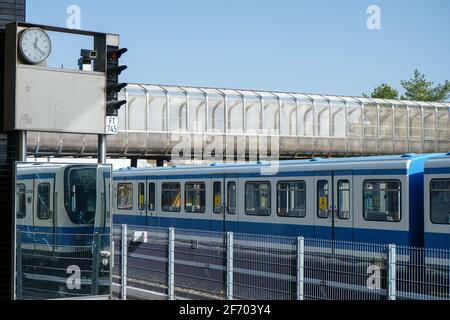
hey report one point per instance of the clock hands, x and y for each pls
(37, 48)
(42, 52)
(35, 45)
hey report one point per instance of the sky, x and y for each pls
(285, 45)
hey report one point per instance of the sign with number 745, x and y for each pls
(111, 125)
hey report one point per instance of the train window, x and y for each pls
(343, 200)
(125, 196)
(43, 201)
(291, 199)
(322, 199)
(257, 198)
(440, 201)
(382, 200)
(151, 197)
(80, 194)
(141, 196)
(217, 197)
(171, 197)
(21, 209)
(194, 197)
(231, 197)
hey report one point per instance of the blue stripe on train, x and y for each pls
(437, 170)
(317, 232)
(36, 176)
(437, 240)
(63, 230)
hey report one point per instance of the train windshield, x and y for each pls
(80, 194)
(440, 201)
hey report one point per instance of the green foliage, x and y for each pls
(383, 91)
(416, 89)
(419, 89)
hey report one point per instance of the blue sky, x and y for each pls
(303, 46)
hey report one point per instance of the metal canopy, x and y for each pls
(306, 124)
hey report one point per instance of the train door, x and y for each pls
(103, 187)
(146, 199)
(24, 203)
(43, 213)
(231, 220)
(218, 204)
(142, 209)
(24, 210)
(151, 203)
(343, 206)
(334, 202)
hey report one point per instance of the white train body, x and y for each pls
(369, 199)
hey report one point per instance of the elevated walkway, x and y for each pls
(305, 124)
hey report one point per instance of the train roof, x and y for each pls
(34, 166)
(400, 160)
(440, 161)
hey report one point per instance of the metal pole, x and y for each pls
(171, 262)
(391, 272)
(95, 264)
(22, 146)
(229, 265)
(300, 267)
(101, 152)
(123, 273)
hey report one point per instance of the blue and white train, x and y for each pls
(366, 199)
(65, 204)
(62, 221)
(437, 202)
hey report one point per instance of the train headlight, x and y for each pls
(105, 254)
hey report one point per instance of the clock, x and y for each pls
(35, 45)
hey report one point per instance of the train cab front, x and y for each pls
(86, 201)
(64, 230)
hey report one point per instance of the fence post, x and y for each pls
(123, 263)
(19, 274)
(229, 265)
(300, 267)
(391, 272)
(171, 266)
(95, 264)
(111, 269)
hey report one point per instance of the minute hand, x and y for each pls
(42, 52)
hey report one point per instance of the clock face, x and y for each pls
(35, 45)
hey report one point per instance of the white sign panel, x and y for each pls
(60, 100)
(111, 125)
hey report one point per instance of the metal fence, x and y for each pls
(161, 263)
(62, 266)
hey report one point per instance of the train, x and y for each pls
(402, 199)
(437, 202)
(62, 220)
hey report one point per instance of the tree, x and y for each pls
(419, 89)
(383, 91)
